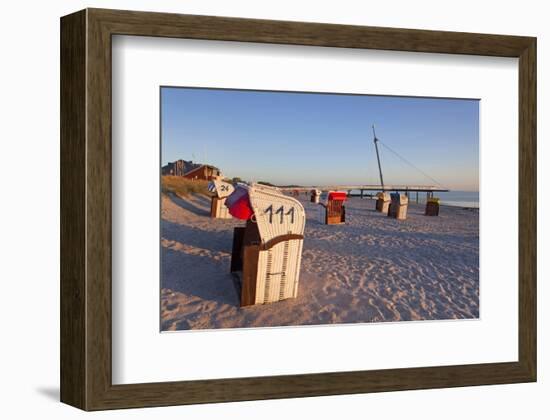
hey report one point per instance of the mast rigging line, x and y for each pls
(409, 163)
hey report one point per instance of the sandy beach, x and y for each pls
(371, 269)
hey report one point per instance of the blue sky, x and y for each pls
(320, 139)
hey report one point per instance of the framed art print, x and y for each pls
(261, 209)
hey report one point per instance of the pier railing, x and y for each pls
(407, 189)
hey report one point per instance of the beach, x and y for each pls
(371, 269)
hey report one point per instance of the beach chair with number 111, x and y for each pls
(267, 252)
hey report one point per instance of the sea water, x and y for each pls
(458, 198)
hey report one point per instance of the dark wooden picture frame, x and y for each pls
(86, 305)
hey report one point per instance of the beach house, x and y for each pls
(191, 170)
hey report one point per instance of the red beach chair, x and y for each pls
(335, 211)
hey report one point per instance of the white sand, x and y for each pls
(371, 269)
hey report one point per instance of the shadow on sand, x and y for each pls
(202, 199)
(189, 206)
(198, 275)
(215, 241)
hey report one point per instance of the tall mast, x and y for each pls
(378, 158)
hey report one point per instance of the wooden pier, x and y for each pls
(364, 189)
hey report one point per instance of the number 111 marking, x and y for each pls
(281, 212)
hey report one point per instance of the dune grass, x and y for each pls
(183, 186)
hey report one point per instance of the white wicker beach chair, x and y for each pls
(383, 202)
(398, 206)
(315, 195)
(267, 253)
(222, 189)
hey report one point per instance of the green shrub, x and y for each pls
(182, 186)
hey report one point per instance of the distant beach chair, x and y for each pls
(398, 206)
(383, 202)
(432, 207)
(267, 252)
(333, 212)
(314, 196)
(222, 190)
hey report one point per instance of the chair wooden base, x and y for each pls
(218, 209)
(432, 209)
(382, 205)
(335, 220)
(335, 213)
(252, 264)
(397, 211)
